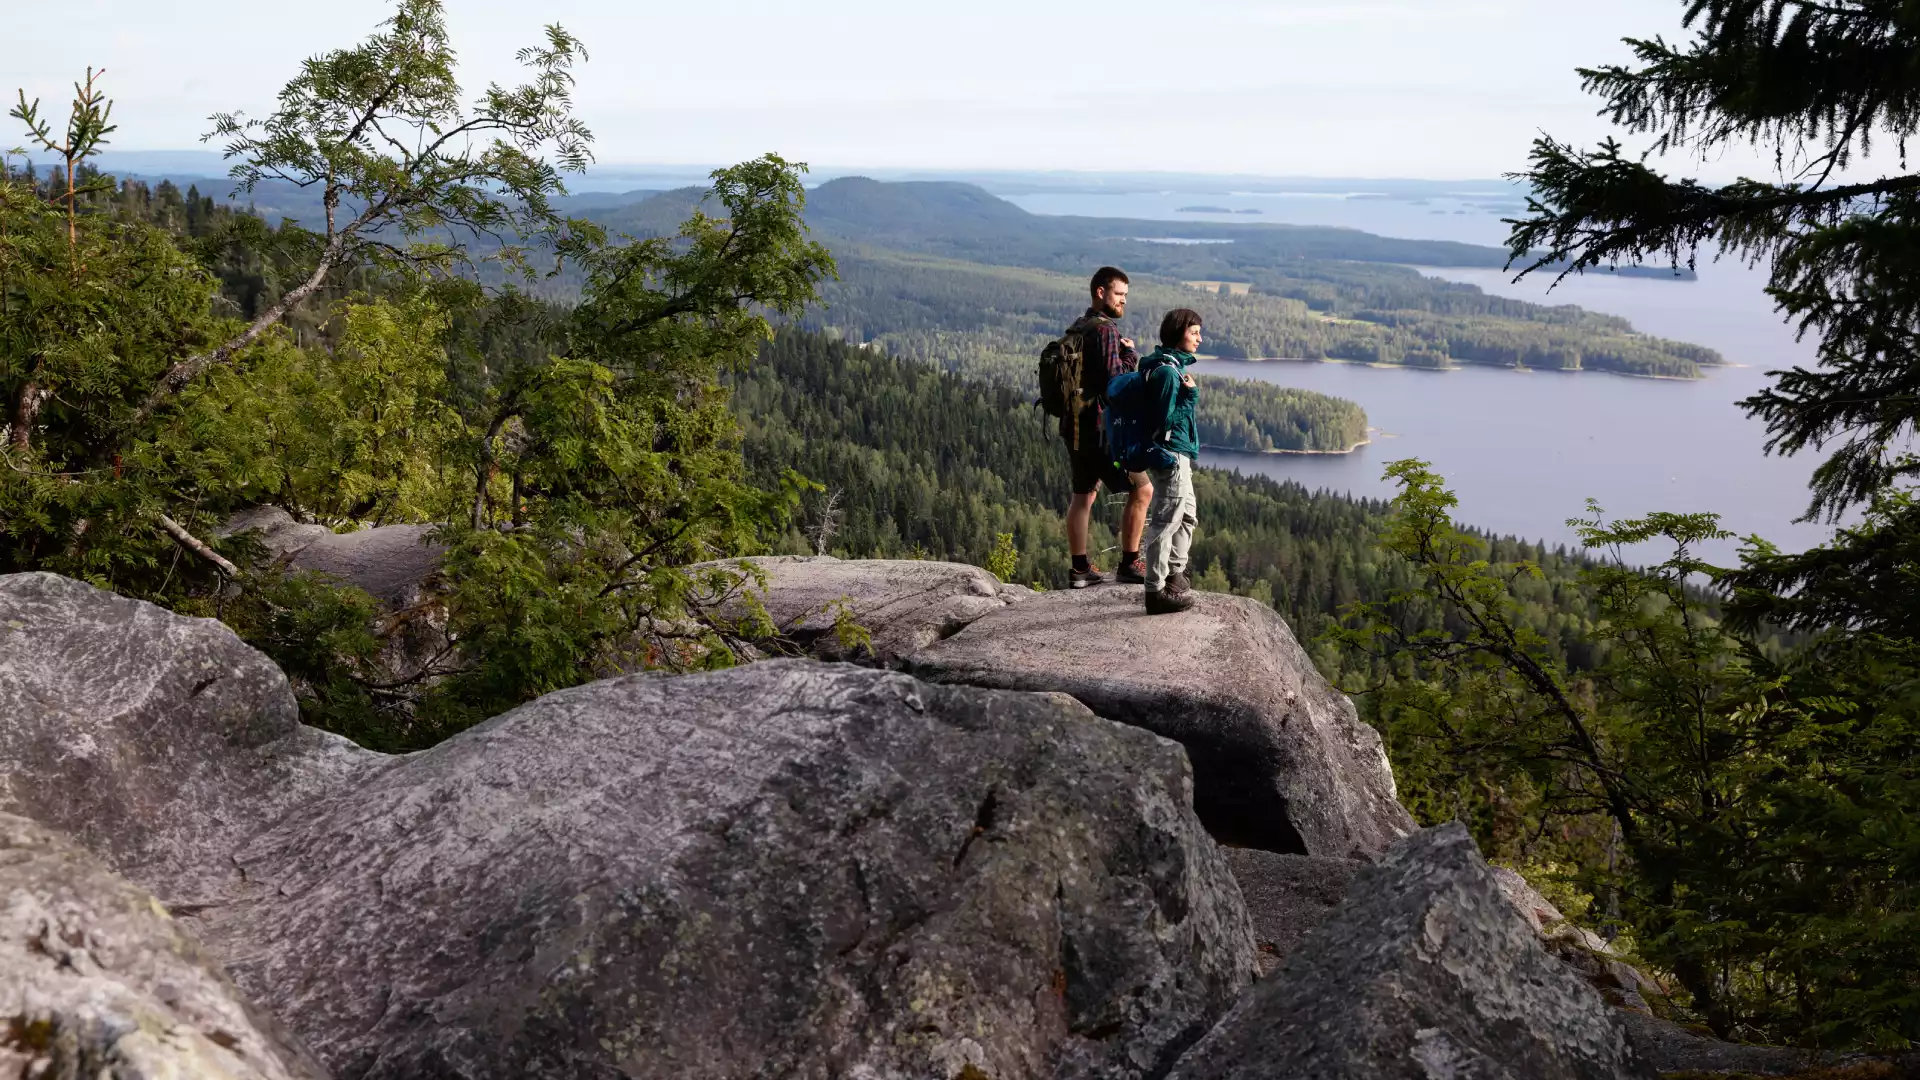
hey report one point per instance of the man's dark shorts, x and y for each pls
(1094, 466)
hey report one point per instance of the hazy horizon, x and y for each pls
(1441, 90)
(188, 161)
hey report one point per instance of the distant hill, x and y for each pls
(964, 221)
(869, 210)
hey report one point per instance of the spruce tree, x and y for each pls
(1816, 85)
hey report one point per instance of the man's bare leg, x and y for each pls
(1079, 516)
(1133, 521)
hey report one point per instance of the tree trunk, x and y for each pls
(25, 412)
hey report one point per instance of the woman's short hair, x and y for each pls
(1173, 328)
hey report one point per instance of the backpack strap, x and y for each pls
(1151, 362)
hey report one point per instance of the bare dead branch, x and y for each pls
(194, 544)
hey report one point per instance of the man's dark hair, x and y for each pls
(1173, 328)
(1106, 276)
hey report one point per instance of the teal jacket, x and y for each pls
(1177, 404)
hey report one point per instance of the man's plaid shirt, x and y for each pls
(1104, 357)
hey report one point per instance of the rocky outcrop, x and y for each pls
(1678, 1052)
(1281, 761)
(1287, 897)
(160, 742)
(98, 981)
(905, 605)
(788, 869)
(1669, 1047)
(395, 563)
(1425, 971)
(1536, 909)
(1586, 953)
(1589, 956)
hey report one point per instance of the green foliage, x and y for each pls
(90, 318)
(1213, 579)
(1763, 817)
(853, 639)
(87, 131)
(325, 638)
(358, 435)
(605, 470)
(381, 131)
(103, 336)
(1778, 862)
(1004, 561)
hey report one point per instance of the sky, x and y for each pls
(1439, 89)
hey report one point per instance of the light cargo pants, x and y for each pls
(1170, 521)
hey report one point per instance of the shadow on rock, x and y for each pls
(1281, 760)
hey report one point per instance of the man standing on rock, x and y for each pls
(1104, 354)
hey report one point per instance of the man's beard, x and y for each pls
(1107, 309)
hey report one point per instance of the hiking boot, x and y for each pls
(1166, 601)
(1178, 582)
(1080, 579)
(1133, 573)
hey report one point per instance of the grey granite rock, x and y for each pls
(98, 981)
(789, 869)
(160, 742)
(395, 563)
(1671, 1048)
(274, 528)
(1425, 972)
(1287, 896)
(1280, 759)
(1536, 909)
(905, 604)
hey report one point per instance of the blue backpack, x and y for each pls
(1135, 436)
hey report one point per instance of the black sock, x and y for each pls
(1081, 564)
(1128, 558)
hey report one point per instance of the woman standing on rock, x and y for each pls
(1171, 401)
